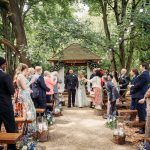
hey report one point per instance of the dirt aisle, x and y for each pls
(80, 129)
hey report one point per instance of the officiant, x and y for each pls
(71, 84)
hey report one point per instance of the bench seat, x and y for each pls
(10, 138)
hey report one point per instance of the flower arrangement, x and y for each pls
(82, 82)
(49, 117)
(111, 123)
(27, 143)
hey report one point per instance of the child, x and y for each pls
(112, 94)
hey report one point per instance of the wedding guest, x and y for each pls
(96, 85)
(138, 90)
(71, 85)
(24, 95)
(134, 74)
(81, 98)
(56, 91)
(31, 72)
(50, 84)
(39, 89)
(123, 82)
(6, 107)
(113, 95)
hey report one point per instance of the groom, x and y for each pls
(71, 85)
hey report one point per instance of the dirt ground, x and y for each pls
(80, 129)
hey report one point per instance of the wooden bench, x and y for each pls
(135, 124)
(10, 138)
(126, 111)
(22, 120)
(40, 111)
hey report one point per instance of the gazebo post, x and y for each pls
(88, 77)
(61, 75)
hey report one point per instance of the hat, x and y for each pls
(2, 61)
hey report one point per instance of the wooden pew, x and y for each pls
(40, 111)
(128, 112)
(10, 138)
(22, 120)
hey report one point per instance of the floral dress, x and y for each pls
(29, 112)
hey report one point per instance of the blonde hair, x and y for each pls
(21, 67)
(46, 73)
(81, 74)
(124, 70)
(38, 68)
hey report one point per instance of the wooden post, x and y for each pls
(147, 127)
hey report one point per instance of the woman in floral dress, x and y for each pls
(29, 112)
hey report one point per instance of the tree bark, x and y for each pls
(103, 5)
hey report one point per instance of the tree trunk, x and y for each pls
(103, 6)
(18, 28)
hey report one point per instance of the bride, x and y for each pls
(81, 99)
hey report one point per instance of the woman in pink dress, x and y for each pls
(50, 84)
(97, 88)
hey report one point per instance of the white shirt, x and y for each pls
(96, 82)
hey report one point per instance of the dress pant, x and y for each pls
(56, 98)
(141, 108)
(8, 119)
(71, 97)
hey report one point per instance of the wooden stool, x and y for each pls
(10, 138)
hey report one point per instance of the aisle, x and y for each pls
(80, 129)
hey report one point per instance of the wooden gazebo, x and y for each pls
(75, 55)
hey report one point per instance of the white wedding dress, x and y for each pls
(81, 98)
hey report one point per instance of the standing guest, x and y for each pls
(6, 107)
(56, 92)
(81, 98)
(39, 89)
(138, 90)
(93, 75)
(31, 73)
(50, 84)
(24, 95)
(134, 74)
(113, 95)
(97, 88)
(123, 82)
(71, 85)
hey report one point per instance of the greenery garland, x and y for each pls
(93, 65)
(57, 66)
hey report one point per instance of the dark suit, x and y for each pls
(133, 102)
(71, 85)
(138, 91)
(6, 107)
(40, 102)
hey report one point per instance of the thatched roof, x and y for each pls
(75, 52)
